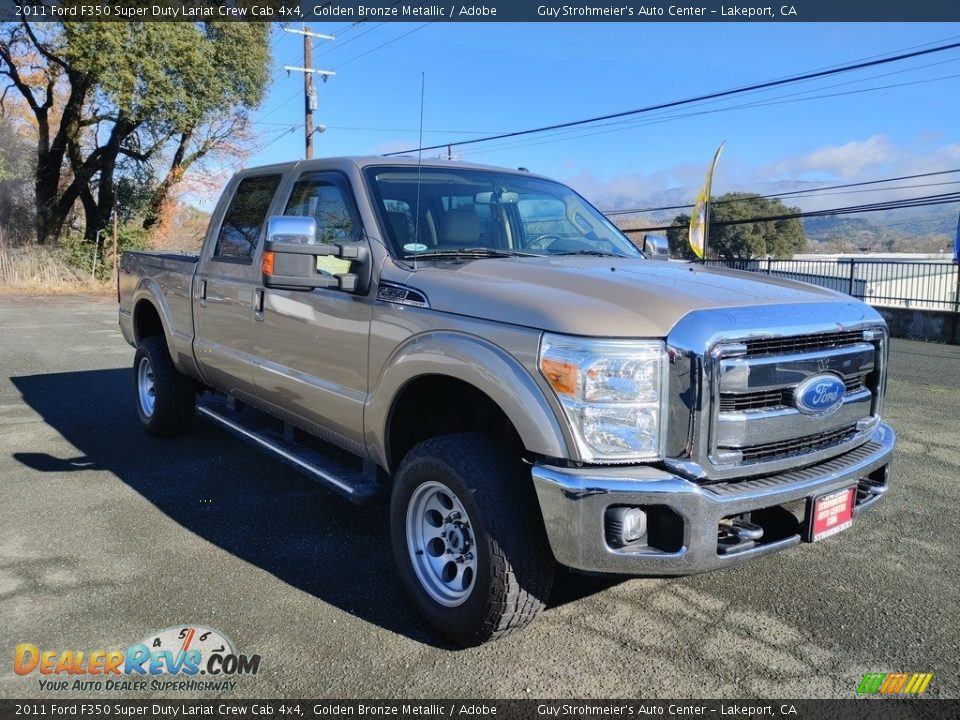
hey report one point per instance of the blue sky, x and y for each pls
(493, 77)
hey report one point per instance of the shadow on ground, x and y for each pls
(239, 499)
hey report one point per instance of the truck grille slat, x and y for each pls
(737, 487)
(801, 343)
(796, 446)
(735, 402)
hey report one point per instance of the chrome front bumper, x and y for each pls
(574, 503)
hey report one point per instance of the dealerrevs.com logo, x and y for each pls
(186, 658)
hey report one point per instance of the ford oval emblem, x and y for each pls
(819, 394)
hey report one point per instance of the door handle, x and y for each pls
(258, 304)
(202, 294)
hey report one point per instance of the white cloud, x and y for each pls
(857, 160)
(847, 161)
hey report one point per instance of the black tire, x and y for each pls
(514, 564)
(174, 394)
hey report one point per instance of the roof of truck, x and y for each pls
(362, 161)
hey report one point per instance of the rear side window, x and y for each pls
(245, 217)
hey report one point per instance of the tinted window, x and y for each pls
(325, 199)
(245, 217)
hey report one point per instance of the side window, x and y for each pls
(326, 199)
(245, 217)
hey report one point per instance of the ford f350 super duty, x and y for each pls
(485, 349)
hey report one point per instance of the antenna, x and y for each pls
(416, 225)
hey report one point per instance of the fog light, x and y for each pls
(625, 525)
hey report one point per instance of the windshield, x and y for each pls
(482, 212)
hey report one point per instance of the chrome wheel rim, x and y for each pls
(441, 544)
(145, 387)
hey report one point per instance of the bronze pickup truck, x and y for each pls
(485, 349)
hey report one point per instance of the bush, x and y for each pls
(79, 253)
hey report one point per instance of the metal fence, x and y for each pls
(878, 281)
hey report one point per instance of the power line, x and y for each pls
(688, 101)
(359, 21)
(379, 129)
(793, 192)
(619, 125)
(383, 45)
(282, 103)
(292, 97)
(350, 40)
(924, 201)
(263, 146)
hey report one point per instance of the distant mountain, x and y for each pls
(936, 219)
(920, 229)
(923, 229)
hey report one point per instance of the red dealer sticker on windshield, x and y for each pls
(832, 513)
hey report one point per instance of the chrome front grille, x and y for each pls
(733, 382)
(801, 343)
(757, 419)
(798, 446)
(733, 402)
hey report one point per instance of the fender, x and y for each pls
(179, 343)
(481, 364)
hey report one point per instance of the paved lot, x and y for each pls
(107, 535)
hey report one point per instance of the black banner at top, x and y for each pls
(542, 11)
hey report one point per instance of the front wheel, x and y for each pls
(468, 538)
(166, 398)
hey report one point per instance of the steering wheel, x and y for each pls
(542, 242)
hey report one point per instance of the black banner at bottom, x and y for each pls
(859, 709)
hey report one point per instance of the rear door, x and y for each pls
(226, 289)
(312, 345)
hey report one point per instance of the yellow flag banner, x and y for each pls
(700, 217)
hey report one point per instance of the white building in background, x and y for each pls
(912, 280)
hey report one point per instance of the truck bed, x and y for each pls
(168, 275)
(163, 259)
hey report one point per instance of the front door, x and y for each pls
(312, 345)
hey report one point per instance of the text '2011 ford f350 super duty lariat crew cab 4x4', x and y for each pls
(487, 350)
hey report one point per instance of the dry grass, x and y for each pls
(37, 270)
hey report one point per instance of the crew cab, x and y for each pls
(485, 351)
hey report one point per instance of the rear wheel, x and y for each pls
(468, 538)
(166, 398)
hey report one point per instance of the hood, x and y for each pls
(594, 296)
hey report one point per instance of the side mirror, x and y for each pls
(292, 229)
(290, 256)
(656, 247)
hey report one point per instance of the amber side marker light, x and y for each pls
(268, 259)
(562, 376)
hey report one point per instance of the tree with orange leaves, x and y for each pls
(134, 102)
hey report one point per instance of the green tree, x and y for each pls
(16, 168)
(749, 237)
(114, 100)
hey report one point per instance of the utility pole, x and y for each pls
(309, 92)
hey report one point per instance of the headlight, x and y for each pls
(612, 392)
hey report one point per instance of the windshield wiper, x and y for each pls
(465, 252)
(594, 253)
